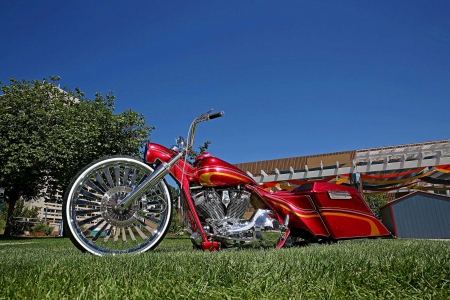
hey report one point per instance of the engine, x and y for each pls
(223, 209)
(220, 204)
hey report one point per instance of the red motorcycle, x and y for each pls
(121, 204)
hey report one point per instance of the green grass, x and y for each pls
(362, 269)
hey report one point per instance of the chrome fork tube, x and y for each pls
(151, 180)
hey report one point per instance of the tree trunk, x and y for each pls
(13, 197)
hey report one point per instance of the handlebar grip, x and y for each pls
(216, 115)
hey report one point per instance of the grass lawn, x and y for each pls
(361, 269)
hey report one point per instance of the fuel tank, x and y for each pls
(211, 171)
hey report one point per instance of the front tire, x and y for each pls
(95, 225)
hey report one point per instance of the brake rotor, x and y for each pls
(110, 211)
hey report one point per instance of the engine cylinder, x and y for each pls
(222, 204)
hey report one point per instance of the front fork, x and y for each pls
(153, 179)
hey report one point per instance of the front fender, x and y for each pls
(155, 152)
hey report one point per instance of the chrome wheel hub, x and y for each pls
(110, 211)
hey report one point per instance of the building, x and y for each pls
(394, 170)
(49, 212)
(418, 215)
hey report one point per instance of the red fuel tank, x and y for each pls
(211, 171)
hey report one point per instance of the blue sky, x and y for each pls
(293, 77)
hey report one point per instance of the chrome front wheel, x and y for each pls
(95, 223)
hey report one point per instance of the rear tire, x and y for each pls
(91, 219)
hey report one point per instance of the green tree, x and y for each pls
(375, 202)
(47, 134)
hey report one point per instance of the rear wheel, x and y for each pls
(96, 225)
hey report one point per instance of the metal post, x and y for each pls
(61, 227)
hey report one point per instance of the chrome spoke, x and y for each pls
(99, 233)
(131, 234)
(133, 179)
(87, 202)
(141, 234)
(88, 194)
(117, 173)
(124, 236)
(116, 236)
(88, 220)
(101, 181)
(151, 230)
(108, 177)
(87, 211)
(94, 187)
(126, 174)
